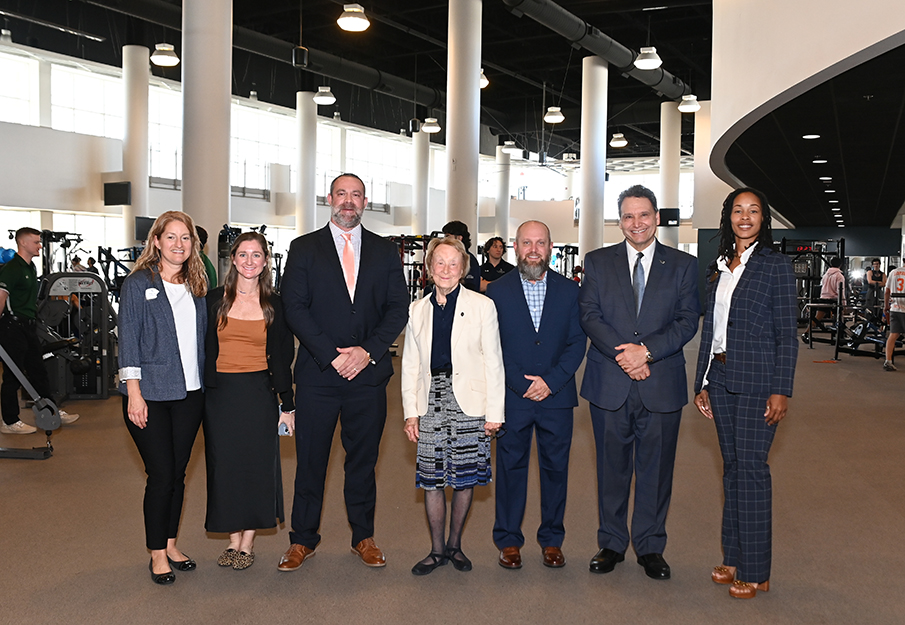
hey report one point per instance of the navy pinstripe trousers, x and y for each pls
(745, 440)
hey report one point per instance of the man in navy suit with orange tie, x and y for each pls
(639, 306)
(543, 345)
(345, 298)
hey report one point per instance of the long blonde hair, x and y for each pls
(192, 272)
(265, 281)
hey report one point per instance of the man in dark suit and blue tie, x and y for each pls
(543, 345)
(345, 298)
(639, 306)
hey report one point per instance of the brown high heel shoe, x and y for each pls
(746, 590)
(723, 575)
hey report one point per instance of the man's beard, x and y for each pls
(533, 271)
(341, 221)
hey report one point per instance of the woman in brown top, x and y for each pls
(249, 352)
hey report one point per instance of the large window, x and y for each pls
(258, 139)
(85, 102)
(96, 230)
(165, 132)
(19, 90)
(378, 160)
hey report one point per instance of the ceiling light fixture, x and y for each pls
(554, 115)
(430, 126)
(826, 178)
(324, 96)
(510, 148)
(689, 104)
(829, 191)
(648, 59)
(810, 137)
(819, 161)
(353, 18)
(164, 55)
(834, 201)
(484, 81)
(618, 140)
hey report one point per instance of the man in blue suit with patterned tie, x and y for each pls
(639, 306)
(543, 345)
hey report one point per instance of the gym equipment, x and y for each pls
(47, 416)
(411, 252)
(76, 305)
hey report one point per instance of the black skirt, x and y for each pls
(242, 449)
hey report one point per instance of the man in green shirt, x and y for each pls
(19, 305)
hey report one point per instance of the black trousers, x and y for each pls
(20, 341)
(362, 413)
(165, 445)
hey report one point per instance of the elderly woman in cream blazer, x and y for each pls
(452, 396)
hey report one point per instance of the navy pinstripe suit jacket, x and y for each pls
(761, 341)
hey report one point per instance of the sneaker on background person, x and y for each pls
(888, 366)
(16, 428)
(67, 418)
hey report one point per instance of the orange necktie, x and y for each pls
(349, 263)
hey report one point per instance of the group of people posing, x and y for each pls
(225, 361)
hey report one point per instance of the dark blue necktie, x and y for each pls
(638, 282)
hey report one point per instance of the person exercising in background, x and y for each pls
(894, 307)
(876, 280)
(19, 303)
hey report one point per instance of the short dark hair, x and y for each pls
(637, 190)
(202, 235)
(836, 262)
(493, 240)
(459, 229)
(350, 176)
(874, 260)
(21, 232)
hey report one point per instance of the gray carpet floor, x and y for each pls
(72, 543)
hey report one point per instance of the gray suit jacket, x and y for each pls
(147, 338)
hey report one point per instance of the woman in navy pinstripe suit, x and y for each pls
(744, 379)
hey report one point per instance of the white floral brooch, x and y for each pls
(151, 293)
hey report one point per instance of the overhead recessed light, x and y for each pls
(826, 177)
(829, 191)
(819, 161)
(834, 201)
(836, 208)
(841, 225)
(810, 136)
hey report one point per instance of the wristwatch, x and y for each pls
(649, 357)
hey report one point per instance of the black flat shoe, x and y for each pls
(438, 559)
(185, 565)
(461, 563)
(654, 565)
(605, 561)
(161, 578)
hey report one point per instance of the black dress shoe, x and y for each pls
(654, 565)
(606, 560)
(161, 578)
(185, 565)
(437, 559)
(458, 559)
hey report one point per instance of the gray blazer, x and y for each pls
(147, 338)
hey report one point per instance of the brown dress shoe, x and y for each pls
(294, 556)
(369, 553)
(722, 575)
(510, 558)
(553, 557)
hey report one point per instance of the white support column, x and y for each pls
(594, 77)
(44, 106)
(569, 188)
(421, 153)
(463, 103)
(502, 194)
(670, 155)
(135, 135)
(306, 155)
(207, 27)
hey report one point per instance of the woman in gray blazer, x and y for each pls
(162, 321)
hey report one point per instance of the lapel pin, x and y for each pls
(662, 262)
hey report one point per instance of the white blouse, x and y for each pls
(183, 305)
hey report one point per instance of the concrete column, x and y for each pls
(709, 191)
(670, 154)
(44, 107)
(463, 103)
(306, 155)
(421, 153)
(594, 78)
(502, 194)
(135, 135)
(207, 27)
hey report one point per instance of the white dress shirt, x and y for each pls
(646, 261)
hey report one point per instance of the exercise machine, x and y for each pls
(47, 416)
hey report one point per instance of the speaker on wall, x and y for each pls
(117, 193)
(669, 217)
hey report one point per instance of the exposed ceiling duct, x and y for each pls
(583, 35)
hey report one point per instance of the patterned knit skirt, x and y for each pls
(453, 449)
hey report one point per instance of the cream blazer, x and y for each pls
(478, 378)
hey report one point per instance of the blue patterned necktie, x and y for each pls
(638, 282)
